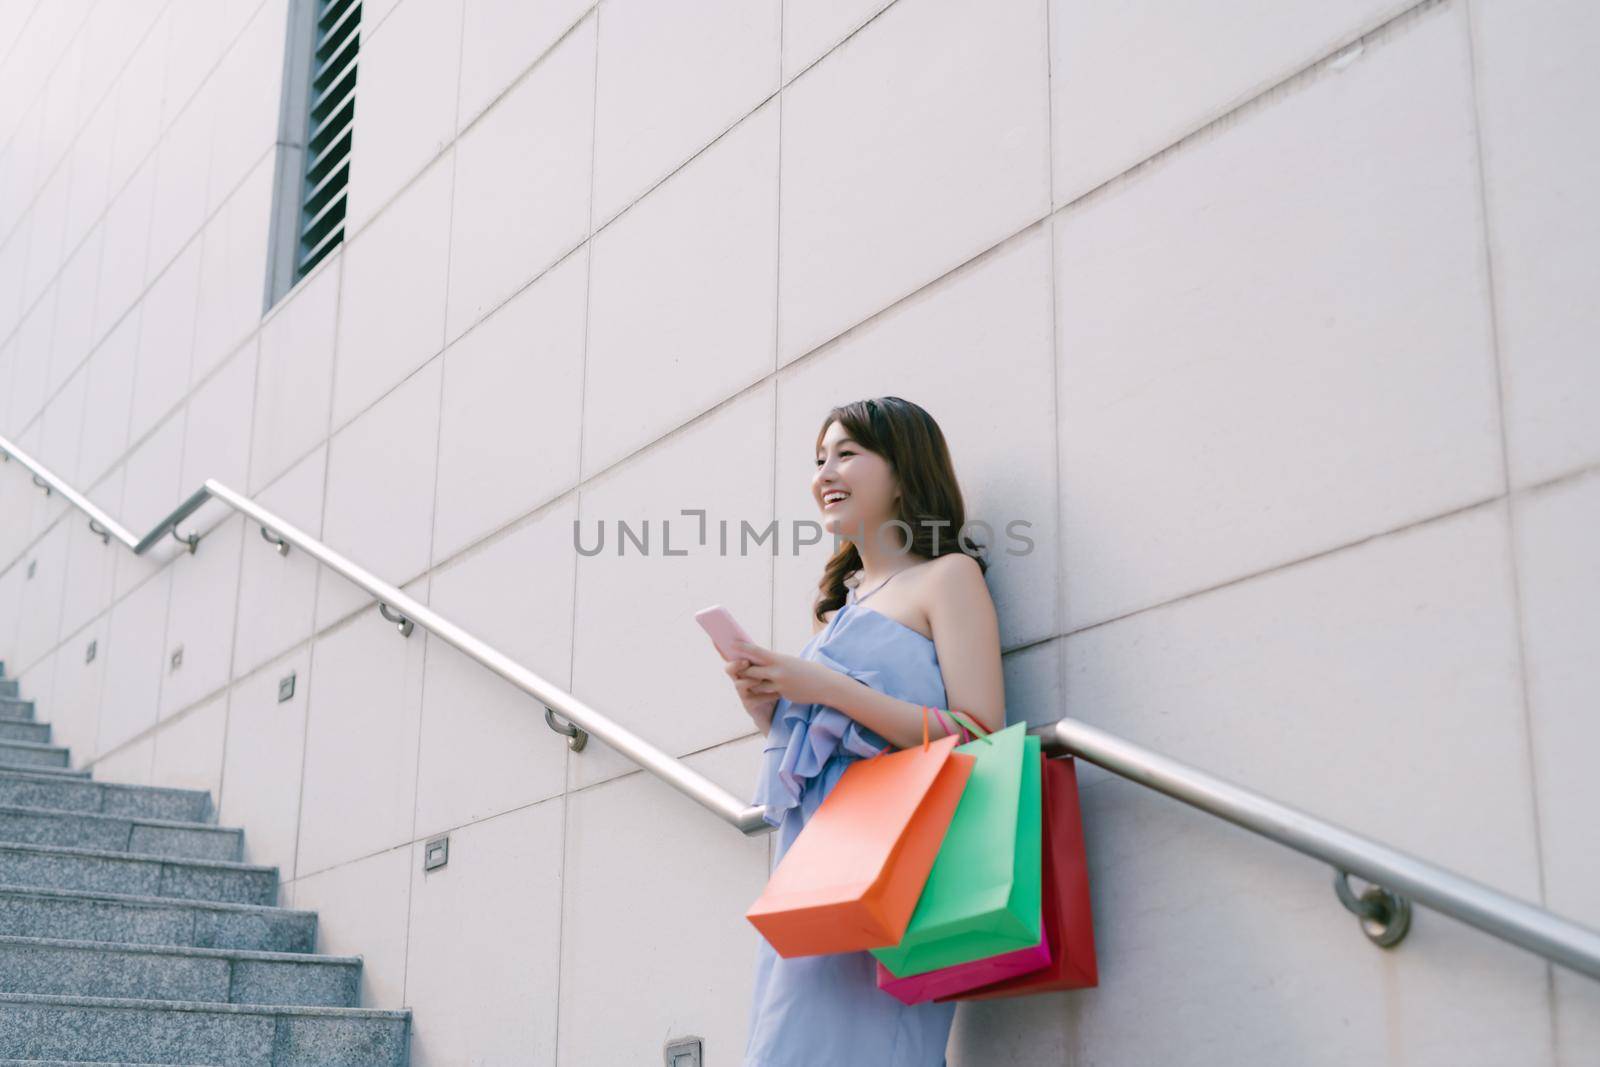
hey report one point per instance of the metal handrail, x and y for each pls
(1384, 908)
(1397, 877)
(405, 611)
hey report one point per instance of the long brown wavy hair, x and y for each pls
(909, 438)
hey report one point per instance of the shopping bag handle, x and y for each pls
(889, 747)
(964, 720)
(946, 723)
(925, 741)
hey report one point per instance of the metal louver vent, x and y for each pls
(332, 102)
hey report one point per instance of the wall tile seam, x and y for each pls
(111, 87)
(311, 641)
(112, 195)
(273, 661)
(136, 587)
(417, 652)
(223, 690)
(66, 556)
(777, 359)
(1496, 341)
(567, 755)
(433, 526)
(423, 839)
(106, 95)
(54, 65)
(1447, 515)
(1470, 29)
(1057, 599)
(81, 368)
(67, 43)
(135, 304)
(21, 30)
(522, 76)
(334, 255)
(1320, 67)
(194, 322)
(869, 20)
(160, 425)
(516, 79)
(276, 663)
(615, 779)
(368, 33)
(100, 219)
(238, 584)
(154, 730)
(111, 658)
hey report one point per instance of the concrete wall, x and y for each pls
(1276, 321)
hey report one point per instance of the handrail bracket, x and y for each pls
(405, 624)
(1385, 915)
(273, 539)
(577, 735)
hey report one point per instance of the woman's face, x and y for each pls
(864, 477)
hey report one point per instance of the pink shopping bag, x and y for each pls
(915, 988)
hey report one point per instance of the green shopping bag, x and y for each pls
(983, 895)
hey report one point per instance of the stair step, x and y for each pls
(167, 972)
(18, 730)
(8, 687)
(34, 1026)
(68, 773)
(88, 915)
(29, 825)
(62, 867)
(14, 707)
(27, 754)
(30, 788)
(84, 1063)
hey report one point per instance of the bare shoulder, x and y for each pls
(955, 584)
(958, 573)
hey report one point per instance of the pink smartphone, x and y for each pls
(716, 621)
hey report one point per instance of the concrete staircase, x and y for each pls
(131, 933)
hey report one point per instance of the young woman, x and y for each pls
(878, 653)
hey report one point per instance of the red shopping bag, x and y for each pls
(1068, 921)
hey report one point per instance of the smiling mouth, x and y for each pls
(826, 504)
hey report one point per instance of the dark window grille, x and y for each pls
(329, 125)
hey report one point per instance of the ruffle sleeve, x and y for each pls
(802, 740)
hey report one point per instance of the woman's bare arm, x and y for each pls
(966, 635)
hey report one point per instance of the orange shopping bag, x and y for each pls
(851, 879)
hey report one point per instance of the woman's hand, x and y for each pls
(799, 681)
(758, 701)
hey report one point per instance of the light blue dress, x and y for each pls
(827, 1011)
